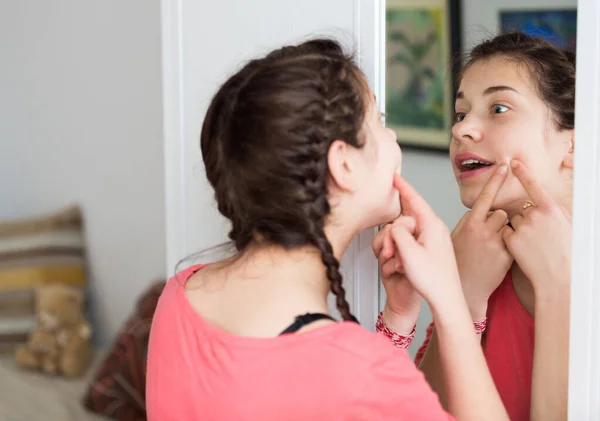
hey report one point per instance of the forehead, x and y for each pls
(497, 71)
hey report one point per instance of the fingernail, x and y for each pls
(503, 169)
(514, 163)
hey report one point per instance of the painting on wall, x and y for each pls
(558, 26)
(422, 47)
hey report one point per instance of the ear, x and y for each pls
(569, 156)
(341, 167)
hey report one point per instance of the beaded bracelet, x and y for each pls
(480, 326)
(401, 341)
(404, 341)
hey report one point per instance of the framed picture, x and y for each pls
(558, 26)
(422, 61)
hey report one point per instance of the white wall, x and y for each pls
(480, 17)
(80, 106)
(205, 42)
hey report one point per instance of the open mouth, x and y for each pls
(472, 164)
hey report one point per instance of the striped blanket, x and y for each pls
(35, 252)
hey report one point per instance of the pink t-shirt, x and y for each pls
(340, 371)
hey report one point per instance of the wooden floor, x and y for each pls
(28, 396)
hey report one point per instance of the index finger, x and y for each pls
(485, 200)
(412, 202)
(535, 191)
(382, 244)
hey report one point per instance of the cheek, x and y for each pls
(452, 154)
(519, 138)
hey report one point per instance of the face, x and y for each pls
(500, 117)
(380, 157)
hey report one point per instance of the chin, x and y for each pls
(393, 213)
(383, 216)
(468, 198)
(504, 201)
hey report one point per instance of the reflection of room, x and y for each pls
(422, 38)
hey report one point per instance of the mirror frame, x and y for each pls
(584, 348)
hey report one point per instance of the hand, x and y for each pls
(540, 238)
(481, 255)
(426, 255)
(403, 302)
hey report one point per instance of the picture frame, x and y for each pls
(557, 25)
(423, 47)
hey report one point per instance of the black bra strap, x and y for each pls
(304, 320)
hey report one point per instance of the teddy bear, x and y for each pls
(60, 342)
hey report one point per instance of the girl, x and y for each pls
(515, 104)
(300, 162)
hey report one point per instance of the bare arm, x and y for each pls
(471, 392)
(482, 261)
(549, 388)
(540, 241)
(431, 365)
(459, 368)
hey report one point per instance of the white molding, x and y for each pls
(173, 132)
(584, 360)
(369, 27)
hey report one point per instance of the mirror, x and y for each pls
(451, 144)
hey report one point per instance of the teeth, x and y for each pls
(473, 161)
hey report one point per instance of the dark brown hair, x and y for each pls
(265, 141)
(551, 68)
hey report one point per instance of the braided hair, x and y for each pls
(265, 141)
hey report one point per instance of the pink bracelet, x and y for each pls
(480, 326)
(401, 341)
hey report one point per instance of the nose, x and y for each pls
(467, 130)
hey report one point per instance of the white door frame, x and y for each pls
(173, 133)
(360, 267)
(370, 27)
(584, 353)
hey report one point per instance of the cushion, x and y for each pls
(35, 252)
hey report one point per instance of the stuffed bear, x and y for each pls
(60, 343)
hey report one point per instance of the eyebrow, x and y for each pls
(489, 91)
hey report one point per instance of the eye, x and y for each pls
(499, 109)
(458, 117)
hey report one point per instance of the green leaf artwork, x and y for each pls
(416, 72)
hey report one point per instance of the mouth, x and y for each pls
(470, 165)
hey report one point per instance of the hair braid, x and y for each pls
(266, 155)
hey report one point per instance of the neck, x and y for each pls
(292, 280)
(298, 272)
